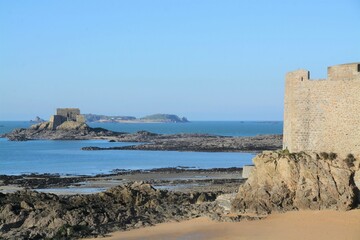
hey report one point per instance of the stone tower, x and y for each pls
(323, 115)
(66, 115)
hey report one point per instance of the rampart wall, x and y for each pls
(323, 115)
(69, 113)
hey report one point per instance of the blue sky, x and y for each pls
(206, 60)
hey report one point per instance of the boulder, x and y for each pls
(281, 182)
(41, 126)
(70, 125)
(246, 171)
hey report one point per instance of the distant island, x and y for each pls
(155, 118)
(37, 120)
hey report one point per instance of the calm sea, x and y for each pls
(65, 157)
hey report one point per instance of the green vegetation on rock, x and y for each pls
(164, 118)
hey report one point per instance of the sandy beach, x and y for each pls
(291, 225)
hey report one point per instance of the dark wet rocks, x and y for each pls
(33, 215)
(39, 180)
(85, 133)
(200, 143)
(44, 181)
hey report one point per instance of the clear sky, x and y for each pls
(206, 60)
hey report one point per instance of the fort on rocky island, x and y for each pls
(323, 115)
(64, 119)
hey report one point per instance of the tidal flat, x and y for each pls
(176, 179)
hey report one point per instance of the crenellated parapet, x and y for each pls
(344, 72)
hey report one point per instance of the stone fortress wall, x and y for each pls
(323, 115)
(66, 115)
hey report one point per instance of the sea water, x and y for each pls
(224, 128)
(67, 158)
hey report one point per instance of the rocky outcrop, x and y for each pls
(196, 143)
(76, 131)
(71, 130)
(281, 182)
(41, 126)
(67, 125)
(37, 120)
(33, 215)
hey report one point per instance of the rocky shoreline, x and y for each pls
(200, 143)
(34, 133)
(153, 141)
(280, 182)
(33, 215)
(222, 179)
(136, 199)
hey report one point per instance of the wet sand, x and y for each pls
(300, 225)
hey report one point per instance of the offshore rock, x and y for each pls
(282, 182)
(37, 120)
(66, 131)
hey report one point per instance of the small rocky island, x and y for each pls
(37, 119)
(66, 124)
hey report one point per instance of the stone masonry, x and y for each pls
(323, 115)
(66, 115)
